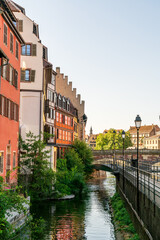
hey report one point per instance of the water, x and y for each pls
(87, 218)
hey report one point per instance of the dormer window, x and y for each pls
(35, 29)
(64, 103)
(53, 79)
(68, 106)
(59, 102)
(45, 53)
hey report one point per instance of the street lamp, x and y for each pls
(138, 125)
(114, 158)
(123, 137)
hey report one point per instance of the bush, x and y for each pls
(122, 217)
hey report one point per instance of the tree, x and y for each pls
(102, 141)
(110, 140)
(34, 161)
(70, 174)
(85, 154)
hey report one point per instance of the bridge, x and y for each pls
(139, 187)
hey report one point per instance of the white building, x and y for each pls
(31, 86)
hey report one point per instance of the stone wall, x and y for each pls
(146, 221)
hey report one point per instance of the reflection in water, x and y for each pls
(85, 218)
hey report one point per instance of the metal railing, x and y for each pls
(149, 176)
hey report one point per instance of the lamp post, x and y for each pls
(123, 137)
(114, 158)
(138, 125)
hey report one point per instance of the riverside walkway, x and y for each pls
(148, 175)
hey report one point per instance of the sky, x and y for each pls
(110, 50)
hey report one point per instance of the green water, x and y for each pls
(86, 218)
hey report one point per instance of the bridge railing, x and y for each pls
(149, 176)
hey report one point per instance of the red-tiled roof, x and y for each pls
(144, 129)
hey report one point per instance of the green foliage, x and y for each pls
(34, 159)
(10, 200)
(70, 176)
(122, 217)
(85, 154)
(111, 140)
(37, 228)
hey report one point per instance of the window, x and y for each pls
(69, 121)
(11, 42)
(5, 34)
(14, 159)
(8, 163)
(45, 53)
(34, 29)
(60, 134)
(28, 75)
(60, 118)
(9, 109)
(1, 161)
(66, 120)
(17, 50)
(63, 135)
(4, 69)
(57, 133)
(26, 50)
(63, 119)
(53, 79)
(57, 117)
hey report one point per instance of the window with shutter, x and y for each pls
(34, 50)
(11, 42)
(16, 79)
(2, 101)
(17, 50)
(1, 161)
(22, 75)
(57, 133)
(14, 159)
(17, 113)
(33, 72)
(20, 25)
(5, 34)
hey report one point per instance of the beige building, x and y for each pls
(145, 131)
(152, 142)
(31, 85)
(65, 89)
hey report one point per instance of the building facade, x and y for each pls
(31, 85)
(152, 142)
(64, 124)
(10, 46)
(65, 89)
(49, 111)
(144, 132)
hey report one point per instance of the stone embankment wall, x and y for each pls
(146, 220)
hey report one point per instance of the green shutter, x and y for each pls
(22, 75)
(34, 50)
(33, 72)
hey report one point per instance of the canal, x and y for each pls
(86, 218)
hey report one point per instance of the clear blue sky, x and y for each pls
(110, 50)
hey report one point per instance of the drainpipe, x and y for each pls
(40, 117)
